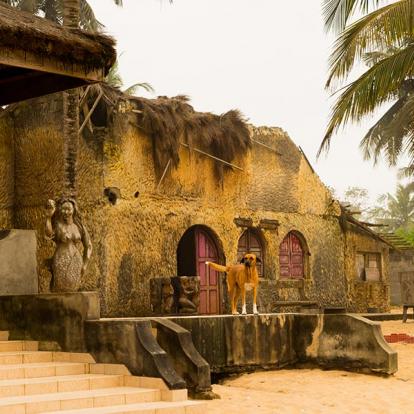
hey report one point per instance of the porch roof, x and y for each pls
(38, 57)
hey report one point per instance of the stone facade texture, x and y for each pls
(136, 237)
(401, 264)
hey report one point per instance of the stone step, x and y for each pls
(25, 357)
(45, 385)
(42, 369)
(4, 335)
(182, 407)
(78, 400)
(9, 346)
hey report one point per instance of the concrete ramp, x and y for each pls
(244, 343)
(343, 341)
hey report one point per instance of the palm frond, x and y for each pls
(338, 12)
(406, 172)
(136, 86)
(388, 134)
(114, 78)
(372, 58)
(377, 85)
(379, 30)
(53, 10)
(31, 6)
(88, 20)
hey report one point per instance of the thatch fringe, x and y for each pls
(172, 121)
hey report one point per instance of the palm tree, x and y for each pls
(70, 111)
(396, 211)
(390, 31)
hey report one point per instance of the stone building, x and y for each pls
(401, 266)
(156, 207)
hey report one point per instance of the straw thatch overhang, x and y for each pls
(172, 124)
(38, 57)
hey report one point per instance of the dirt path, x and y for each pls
(314, 391)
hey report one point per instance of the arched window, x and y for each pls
(250, 242)
(292, 257)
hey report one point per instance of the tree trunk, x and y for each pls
(70, 112)
(71, 13)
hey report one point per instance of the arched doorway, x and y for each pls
(292, 257)
(250, 242)
(196, 247)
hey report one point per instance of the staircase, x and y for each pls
(33, 381)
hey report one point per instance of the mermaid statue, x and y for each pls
(64, 226)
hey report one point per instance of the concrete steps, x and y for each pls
(33, 381)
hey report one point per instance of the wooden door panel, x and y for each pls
(209, 287)
(291, 257)
(213, 277)
(213, 305)
(202, 308)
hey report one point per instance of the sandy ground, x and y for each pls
(315, 391)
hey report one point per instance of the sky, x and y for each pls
(267, 58)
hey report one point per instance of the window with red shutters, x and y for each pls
(291, 257)
(250, 242)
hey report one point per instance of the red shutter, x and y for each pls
(249, 242)
(291, 257)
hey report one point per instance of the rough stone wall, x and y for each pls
(401, 262)
(136, 238)
(366, 296)
(145, 230)
(38, 144)
(6, 171)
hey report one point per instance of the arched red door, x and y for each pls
(206, 251)
(291, 257)
(195, 248)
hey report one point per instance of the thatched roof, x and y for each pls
(171, 122)
(47, 57)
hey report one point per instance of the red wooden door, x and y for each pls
(249, 242)
(291, 257)
(209, 281)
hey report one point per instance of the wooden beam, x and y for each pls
(24, 59)
(33, 85)
(212, 156)
(88, 116)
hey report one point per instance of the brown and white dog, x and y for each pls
(241, 277)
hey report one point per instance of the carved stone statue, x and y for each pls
(64, 226)
(189, 294)
(162, 296)
(167, 296)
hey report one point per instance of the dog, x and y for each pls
(241, 277)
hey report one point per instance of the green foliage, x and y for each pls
(396, 211)
(53, 10)
(406, 234)
(383, 38)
